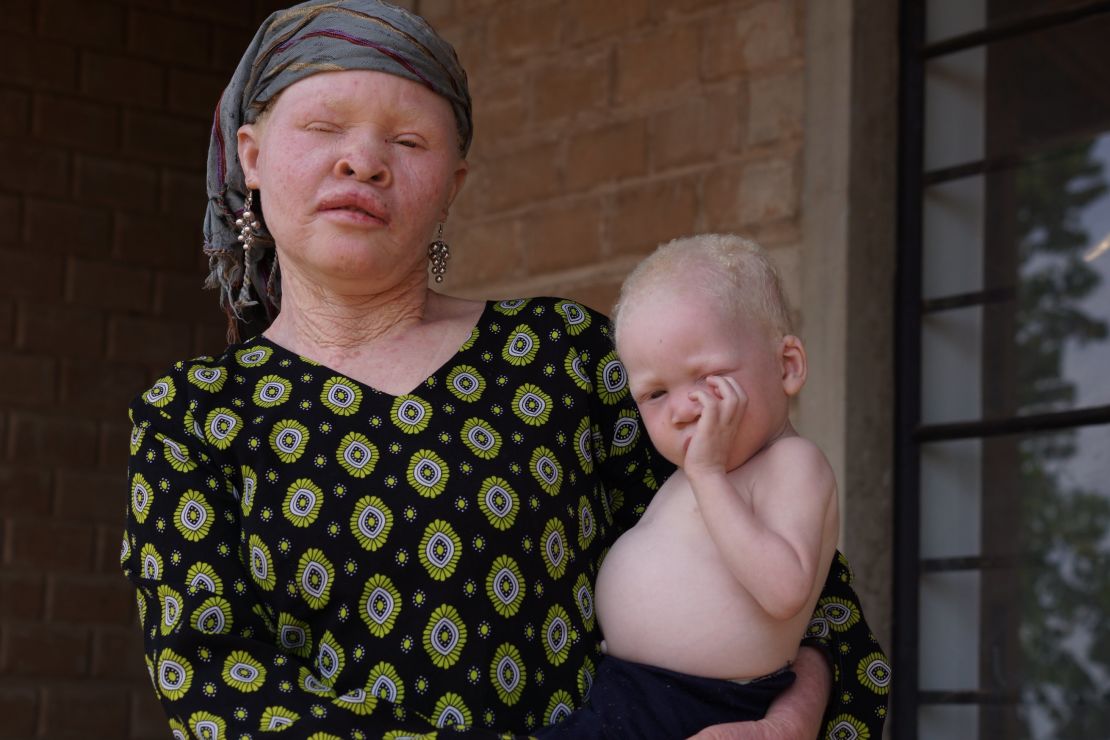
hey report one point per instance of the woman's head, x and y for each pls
(291, 47)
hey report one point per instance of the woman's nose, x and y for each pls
(366, 162)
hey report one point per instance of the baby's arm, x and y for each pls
(770, 529)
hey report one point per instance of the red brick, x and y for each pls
(524, 29)
(125, 185)
(647, 215)
(82, 22)
(660, 63)
(529, 175)
(40, 275)
(114, 439)
(10, 219)
(61, 330)
(485, 252)
(7, 323)
(146, 340)
(170, 39)
(155, 240)
(24, 491)
(500, 114)
(40, 64)
(184, 197)
(764, 191)
(89, 599)
(52, 440)
(44, 650)
(701, 129)
(165, 139)
(27, 380)
(228, 45)
(221, 11)
(182, 296)
(589, 20)
(49, 546)
(122, 79)
(195, 93)
(108, 285)
(664, 8)
(598, 294)
(570, 87)
(19, 16)
(776, 107)
(100, 389)
(32, 168)
(19, 706)
(564, 237)
(608, 154)
(438, 13)
(118, 651)
(211, 339)
(751, 39)
(109, 541)
(14, 107)
(68, 228)
(79, 123)
(21, 597)
(86, 710)
(148, 719)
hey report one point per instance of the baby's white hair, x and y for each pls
(736, 271)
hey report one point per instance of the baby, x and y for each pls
(704, 602)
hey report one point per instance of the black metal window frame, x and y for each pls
(910, 433)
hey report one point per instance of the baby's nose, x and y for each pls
(685, 410)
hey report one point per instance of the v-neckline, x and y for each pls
(450, 361)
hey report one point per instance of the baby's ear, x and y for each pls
(792, 354)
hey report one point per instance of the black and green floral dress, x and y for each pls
(312, 555)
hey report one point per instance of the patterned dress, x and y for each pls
(311, 554)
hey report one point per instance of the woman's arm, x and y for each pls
(795, 714)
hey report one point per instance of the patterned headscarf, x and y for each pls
(315, 36)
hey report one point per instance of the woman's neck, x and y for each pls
(315, 318)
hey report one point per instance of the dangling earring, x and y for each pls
(438, 254)
(247, 224)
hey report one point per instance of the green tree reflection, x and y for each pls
(1065, 634)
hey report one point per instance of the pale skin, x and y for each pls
(736, 545)
(354, 171)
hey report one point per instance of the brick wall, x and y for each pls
(602, 129)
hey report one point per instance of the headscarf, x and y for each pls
(315, 36)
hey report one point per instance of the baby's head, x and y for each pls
(736, 272)
(709, 305)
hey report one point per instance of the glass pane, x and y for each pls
(955, 112)
(1032, 629)
(947, 18)
(949, 632)
(951, 365)
(951, 499)
(1042, 340)
(948, 723)
(953, 232)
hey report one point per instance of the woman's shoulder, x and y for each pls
(573, 316)
(203, 376)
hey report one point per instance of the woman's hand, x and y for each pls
(796, 713)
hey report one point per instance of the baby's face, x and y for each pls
(669, 343)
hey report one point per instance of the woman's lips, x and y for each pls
(354, 208)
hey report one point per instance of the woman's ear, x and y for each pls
(794, 367)
(458, 178)
(247, 141)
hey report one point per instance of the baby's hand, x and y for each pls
(723, 403)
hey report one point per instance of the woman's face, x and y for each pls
(354, 170)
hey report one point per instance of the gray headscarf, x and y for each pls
(315, 36)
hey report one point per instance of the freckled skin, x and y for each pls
(722, 572)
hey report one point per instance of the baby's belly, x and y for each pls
(665, 598)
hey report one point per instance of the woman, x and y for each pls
(384, 514)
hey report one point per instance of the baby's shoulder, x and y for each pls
(793, 458)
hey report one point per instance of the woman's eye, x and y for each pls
(410, 143)
(322, 127)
